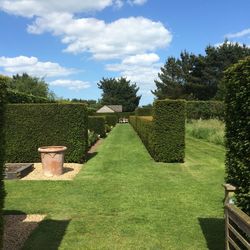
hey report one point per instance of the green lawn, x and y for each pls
(122, 199)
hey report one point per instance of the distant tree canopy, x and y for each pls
(119, 92)
(198, 77)
(30, 85)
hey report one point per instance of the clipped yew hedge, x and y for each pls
(29, 126)
(111, 120)
(164, 133)
(205, 110)
(237, 119)
(2, 149)
(97, 125)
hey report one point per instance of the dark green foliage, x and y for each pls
(147, 111)
(119, 92)
(92, 138)
(18, 97)
(111, 120)
(237, 82)
(29, 126)
(198, 77)
(164, 135)
(30, 85)
(169, 130)
(118, 115)
(205, 110)
(2, 149)
(97, 124)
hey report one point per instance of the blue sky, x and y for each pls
(73, 44)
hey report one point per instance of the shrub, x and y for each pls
(205, 110)
(237, 119)
(2, 148)
(18, 97)
(111, 120)
(92, 138)
(97, 124)
(29, 126)
(169, 130)
(118, 115)
(147, 111)
(164, 133)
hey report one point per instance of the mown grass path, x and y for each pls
(122, 199)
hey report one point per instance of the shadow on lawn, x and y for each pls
(89, 155)
(214, 232)
(48, 234)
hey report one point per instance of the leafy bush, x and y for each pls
(118, 115)
(164, 133)
(237, 119)
(18, 97)
(111, 120)
(147, 111)
(2, 149)
(205, 110)
(208, 130)
(29, 126)
(92, 138)
(97, 124)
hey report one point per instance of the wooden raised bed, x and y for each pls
(17, 170)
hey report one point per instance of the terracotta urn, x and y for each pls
(52, 159)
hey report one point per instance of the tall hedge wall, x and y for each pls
(237, 119)
(2, 149)
(164, 134)
(97, 125)
(29, 126)
(169, 126)
(205, 110)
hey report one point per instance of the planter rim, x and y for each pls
(52, 149)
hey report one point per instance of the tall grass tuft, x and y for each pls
(209, 130)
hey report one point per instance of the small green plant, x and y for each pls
(92, 138)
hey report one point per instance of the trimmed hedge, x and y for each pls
(29, 126)
(237, 119)
(111, 120)
(205, 110)
(164, 134)
(118, 115)
(144, 111)
(2, 148)
(97, 125)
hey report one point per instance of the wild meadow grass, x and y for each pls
(209, 130)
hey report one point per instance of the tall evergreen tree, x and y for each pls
(119, 92)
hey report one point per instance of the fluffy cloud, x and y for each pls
(31, 8)
(142, 69)
(70, 84)
(32, 66)
(123, 37)
(243, 33)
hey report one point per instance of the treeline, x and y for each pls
(198, 77)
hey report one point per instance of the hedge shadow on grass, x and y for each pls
(214, 232)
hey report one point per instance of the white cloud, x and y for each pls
(137, 2)
(32, 66)
(123, 37)
(70, 84)
(243, 33)
(30, 8)
(137, 70)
